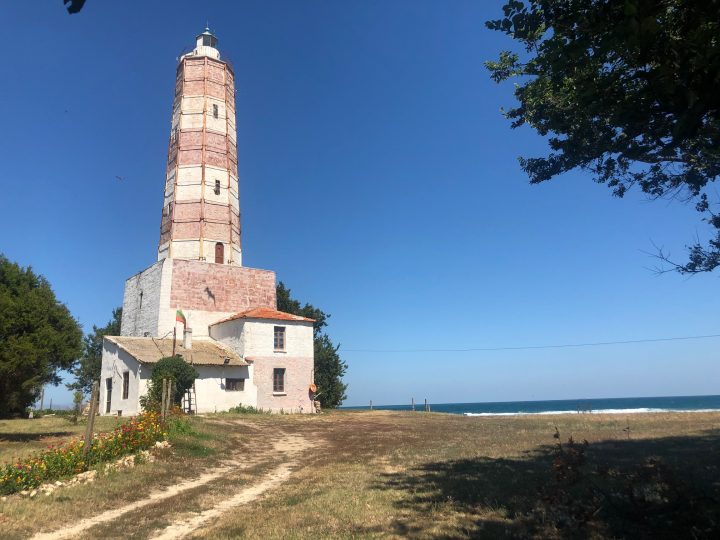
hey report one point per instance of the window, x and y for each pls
(279, 380)
(108, 394)
(219, 253)
(215, 110)
(234, 385)
(126, 384)
(217, 187)
(279, 341)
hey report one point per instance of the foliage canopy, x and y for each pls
(174, 368)
(626, 90)
(90, 363)
(329, 367)
(38, 337)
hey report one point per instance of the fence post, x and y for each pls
(162, 399)
(426, 405)
(94, 397)
(412, 403)
(169, 400)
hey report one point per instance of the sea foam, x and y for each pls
(599, 411)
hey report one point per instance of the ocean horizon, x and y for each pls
(625, 405)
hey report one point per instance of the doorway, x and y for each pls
(108, 394)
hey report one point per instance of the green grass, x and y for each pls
(22, 437)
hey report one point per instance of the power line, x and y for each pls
(528, 347)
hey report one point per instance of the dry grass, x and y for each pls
(390, 474)
(430, 475)
(21, 437)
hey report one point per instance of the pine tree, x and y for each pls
(38, 337)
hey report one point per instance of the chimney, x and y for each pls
(187, 339)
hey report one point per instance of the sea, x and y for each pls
(564, 406)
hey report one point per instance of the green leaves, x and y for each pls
(90, 364)
(38, 337)
(624, 90)
(174, 368)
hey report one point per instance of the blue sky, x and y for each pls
(378, 179)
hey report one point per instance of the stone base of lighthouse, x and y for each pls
(205, 292)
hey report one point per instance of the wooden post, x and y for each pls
(412, 403)
(426, 405)
(169, 400)
(91, 417)
(163, 398)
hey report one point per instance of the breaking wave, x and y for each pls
(599, 411)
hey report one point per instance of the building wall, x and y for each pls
(231, 334)
(115, 361)
(254, 340)
(142, 300)
(213, 287)
(298, 376)
(211, 393)
(205, 292)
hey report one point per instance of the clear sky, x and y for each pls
(377, 178)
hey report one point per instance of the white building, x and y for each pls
(245, 351)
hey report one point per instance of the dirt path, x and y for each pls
(288, 446)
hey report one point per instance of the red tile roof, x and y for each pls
(264, 313)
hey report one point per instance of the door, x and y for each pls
(108, 394)
(219, 253)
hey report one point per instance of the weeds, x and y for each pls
(647, 495)
(247, 409)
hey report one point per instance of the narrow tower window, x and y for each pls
(219, 253)
(217, 187)
(215, 110)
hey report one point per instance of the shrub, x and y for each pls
(177, 370)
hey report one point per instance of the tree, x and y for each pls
(88, 369)
(626, 90)
(38, 337)
(329, 367)
(177, 370)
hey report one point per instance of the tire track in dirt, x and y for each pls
(290, 446)
(287, 446)
(154, 497)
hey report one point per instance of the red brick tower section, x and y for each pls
(201, 211)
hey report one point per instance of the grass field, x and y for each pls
(400, 474)
(19, 438)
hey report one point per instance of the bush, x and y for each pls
(177, 370)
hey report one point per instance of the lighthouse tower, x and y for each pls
(201, 212)
(199, 259)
